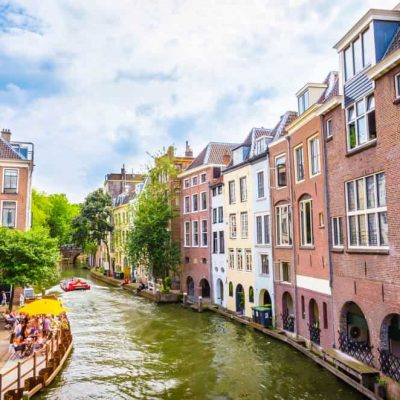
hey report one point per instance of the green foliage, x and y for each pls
(55, 214)
(150, 241)
(28, 258)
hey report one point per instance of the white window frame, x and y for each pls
(4, 176)
(244, 225)
(193, 178)
(355, 120)
(16, 213)
(231, 194)
(243, 190)
(204, 174)
(193, 210)
(329, 128)
(186, 183)
(239, 257)
(278, 157)
(296, 174)
(337, 242)
(261, 264)
(303, 223)
(220, 214)
(214, 215)
(202, 232)
(215, 247)
(264, 234)
(220, 248)
(186, 234)
(201, 201)
(310, 159)
(303, 105)
(365, 212)
(231, 258)
(397, 85)
(261, 145)
(248, 260)
(232, 225)
(278, 225)
(194, 234)
(184, 205)
(258, 173)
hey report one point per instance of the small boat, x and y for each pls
(74, 284)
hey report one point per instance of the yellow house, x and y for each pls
(238, 229)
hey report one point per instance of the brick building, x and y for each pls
(196, 218)
(362, 156)
(16, 167)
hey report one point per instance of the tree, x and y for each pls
(28, 258)
(93, 223)
(150, 240)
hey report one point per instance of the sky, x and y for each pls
(97, 84)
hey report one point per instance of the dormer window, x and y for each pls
(261, 145)
(358, 55)
(303, 101)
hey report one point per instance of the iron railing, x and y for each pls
(390, 364)
(360, 350)
(288, 322)
(315, 334)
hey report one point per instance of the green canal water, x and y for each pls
(126, 347)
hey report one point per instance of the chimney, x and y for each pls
(226, 159)
(6, 135)
(188, 150)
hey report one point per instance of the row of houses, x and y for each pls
(303, 217)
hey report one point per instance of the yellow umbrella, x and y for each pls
(43, 306)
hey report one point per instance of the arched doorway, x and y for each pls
(205, 288)
(389, 351)
(190, 286)
(240, 298)
(220, 292)
(313, 323)
(287, 312)
(354, 333)
(265, 298)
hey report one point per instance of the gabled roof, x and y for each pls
(394, 44)
(285, 120)
(7, 152)
(332, 80)
(213, 153)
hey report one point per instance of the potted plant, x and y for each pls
(380, 388)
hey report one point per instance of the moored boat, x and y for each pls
(74, 284)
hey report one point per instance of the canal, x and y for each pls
(126, 347)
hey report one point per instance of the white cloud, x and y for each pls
(119, 72)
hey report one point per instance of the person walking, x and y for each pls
(3, 298)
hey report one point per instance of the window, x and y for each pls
(261, 145)
(232, 226)
(282, 271)
(9, 214)
(239, 254)
(367, 212)
(195, 233)
(186, 183)
(251, 294)
(243, 189)
(313, 151)
(215, 242)
(248, 260)
(230, 289)
(231, 259)
(337, 232)
(361, 124)
(299, 160)
(203, 198)
(204, 233)
(186, 205)
(397, 85)
(283, 225)
(306, 222)
(263, 235)
(358, 55)
(303, 102)
(219, 189)
(232, 195)
(244, 225)
(329, 128)
(214, 192)
(303, 308)
(187, 233)
(280, 168)
(260, 185)
(325, 314)
(220, 214)
(214, 218)
(264, 261)
(203, 178)
(195, 180)
(221, 242)
(10, 181)
(195, 202)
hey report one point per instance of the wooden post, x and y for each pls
(34, 364)
(19, 376)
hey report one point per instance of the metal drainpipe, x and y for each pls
(293, 238)
(328, 225)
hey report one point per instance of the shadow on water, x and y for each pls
(126, 347)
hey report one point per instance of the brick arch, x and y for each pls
(384, 342)
(345, 326)
(304, 196)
